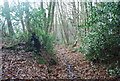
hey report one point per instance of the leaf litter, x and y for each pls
(71, 65)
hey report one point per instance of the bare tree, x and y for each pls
(20, 12)
(27, 5)
(7, 16)
(52, 16)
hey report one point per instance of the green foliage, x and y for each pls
(47, 42)
(38, 26)
(40, 60)
(37, 23)
(11, 47)
(102, 43)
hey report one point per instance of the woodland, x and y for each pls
(60, 40)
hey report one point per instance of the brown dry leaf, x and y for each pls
(22, 65)
(6, 76)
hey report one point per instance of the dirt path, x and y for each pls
(65, 61)
(78, 67)
(72, 65)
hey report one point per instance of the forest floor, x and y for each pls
(18, 64)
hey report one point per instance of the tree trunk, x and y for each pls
(49, 14)
(22, 23)
(52, 16)
(86, 20)
(20, 11)
(44, 15)
(27, 17)
(7, 16)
